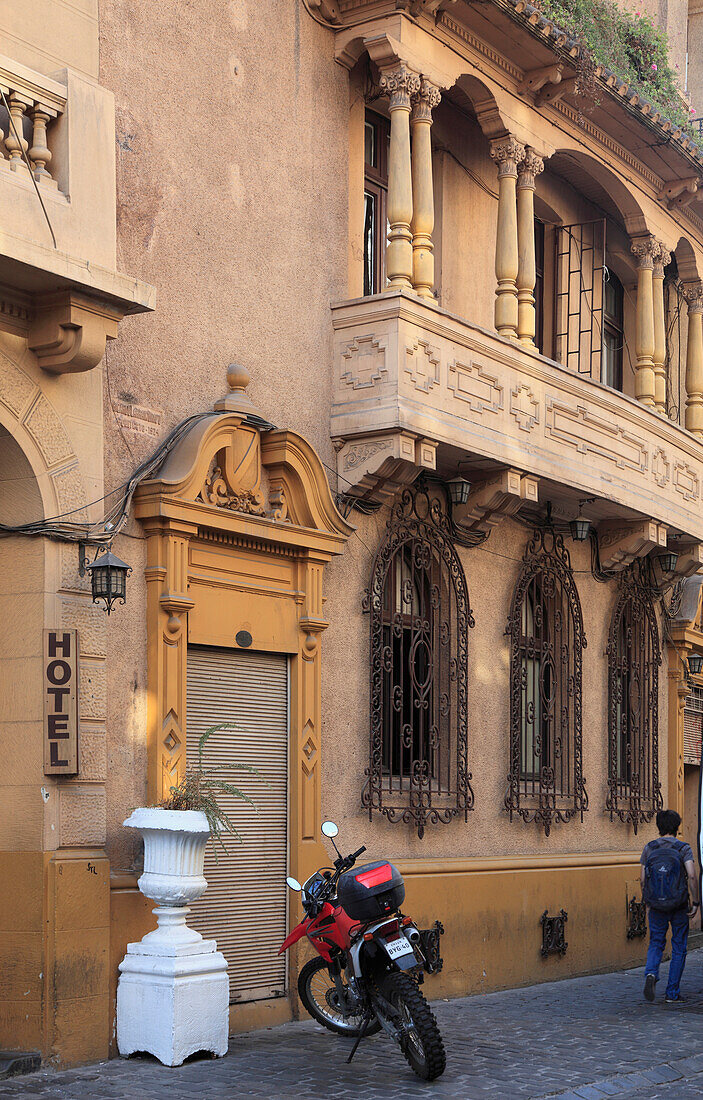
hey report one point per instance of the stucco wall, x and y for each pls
(233, 201)
(242, 223)
(491, 571)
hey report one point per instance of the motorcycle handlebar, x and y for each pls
(357, 854)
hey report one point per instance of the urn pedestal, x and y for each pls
(173, 990)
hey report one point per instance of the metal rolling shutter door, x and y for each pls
(692, 727)
(245, 905)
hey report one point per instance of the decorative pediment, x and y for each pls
(231, 470)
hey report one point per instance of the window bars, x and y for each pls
(545, 783)
(634, 655)
(580, 274)
(420, 616)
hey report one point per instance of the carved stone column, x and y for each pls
(661, 259)
(507, 153)
(645, 250)
(423, 194)
(528, 169)
(15, 142)
(694, 361)
(400, 84)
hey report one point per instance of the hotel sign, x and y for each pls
(60, 702)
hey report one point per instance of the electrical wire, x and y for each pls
(102, 532)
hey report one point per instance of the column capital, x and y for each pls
(425, 100)
(529, 167)
(400, 84)
(661, 259)
(694, 296)
(646, 250)
(507, 152)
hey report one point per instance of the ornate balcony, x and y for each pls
(59, 286)
(416, 387)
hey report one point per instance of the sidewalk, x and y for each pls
(584, 1038)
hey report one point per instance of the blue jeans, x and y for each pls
(658, 924)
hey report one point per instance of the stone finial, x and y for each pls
(507, 152)
(236, 399)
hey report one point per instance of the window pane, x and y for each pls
(370, 218)
(370, 145)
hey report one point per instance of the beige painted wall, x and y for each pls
(246, 239)
(491, 571)
(244, 234)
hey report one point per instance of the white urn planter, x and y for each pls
(173, 990)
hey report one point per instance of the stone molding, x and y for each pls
(507, 152)
(529, 168)
(507, 403)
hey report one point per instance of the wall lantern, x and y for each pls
(459, 490)
(108, 579)
(667, 562)
(695, 663)
(580, 527)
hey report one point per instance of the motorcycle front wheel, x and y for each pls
(318, 993)
(421, 1042)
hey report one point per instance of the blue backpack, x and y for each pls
(665, 878)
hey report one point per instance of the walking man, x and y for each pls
(668, 878)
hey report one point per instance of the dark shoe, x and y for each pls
(649, 983)
(677, 1000)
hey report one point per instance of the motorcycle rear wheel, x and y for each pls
(317, 991)
(423, 1047)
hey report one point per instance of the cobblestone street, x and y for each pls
(586, 1037)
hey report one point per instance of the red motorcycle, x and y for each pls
(370, 960)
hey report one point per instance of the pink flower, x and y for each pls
(693, 110)
(654, 67)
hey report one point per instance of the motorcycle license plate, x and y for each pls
(397, 948)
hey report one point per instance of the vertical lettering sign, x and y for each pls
(60, 702)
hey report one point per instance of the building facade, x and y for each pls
(397, 418)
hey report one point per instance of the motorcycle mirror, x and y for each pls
(294, 884)
(329, 829)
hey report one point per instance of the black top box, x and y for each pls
(371, 892)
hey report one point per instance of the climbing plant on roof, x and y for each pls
(629, 44)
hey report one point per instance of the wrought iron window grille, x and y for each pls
(553, 933)
(636, 919)
(545, 626)
(419, 621)
(634, 656)
(430, 946)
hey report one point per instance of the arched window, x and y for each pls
(420, 615)
(545, 783)
(634, 656)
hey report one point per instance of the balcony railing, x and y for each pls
(410, 378)
(29, 106)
